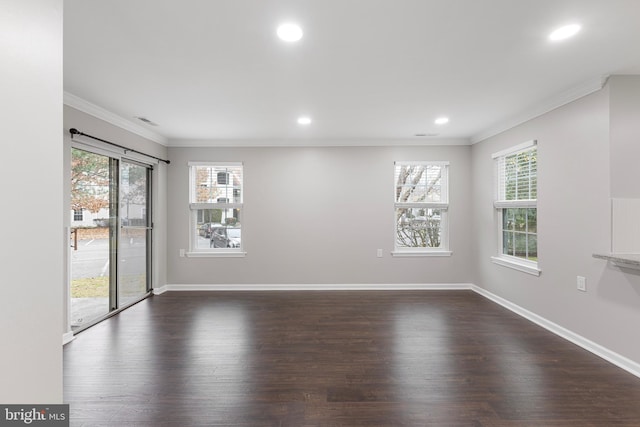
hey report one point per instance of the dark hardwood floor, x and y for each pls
(433, 358)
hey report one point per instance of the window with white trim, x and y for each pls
(421, 204)
(516, 204)
(215, 202)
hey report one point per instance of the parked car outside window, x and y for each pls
(206, 228)
(225, 237)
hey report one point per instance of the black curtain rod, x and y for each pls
(74, 131)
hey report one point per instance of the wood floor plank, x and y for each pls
(406, 358)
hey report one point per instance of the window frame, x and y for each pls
(195, 207)
(442, 205)
(78, 215)
(500, 204)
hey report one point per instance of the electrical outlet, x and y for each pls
(582, 283)
(379, 253)
(181, 253)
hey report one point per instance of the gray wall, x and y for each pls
(91, 125)
(31, 178)
(574, 220)
(317, 216)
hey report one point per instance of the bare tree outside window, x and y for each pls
(133, 194)
(419, 204)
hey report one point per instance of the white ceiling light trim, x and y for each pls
(304, 120)
(565, 32)
(290, 32)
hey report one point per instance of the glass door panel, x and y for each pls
(135, 233)
(93, 217)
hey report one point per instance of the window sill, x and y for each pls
(529, 268)
(215, 254)
(421, 253)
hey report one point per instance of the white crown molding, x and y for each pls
(93, 110)
(549, 104)
(317, 142)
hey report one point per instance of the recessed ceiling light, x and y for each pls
(442, 120)
(290, 32)
(304, 121)
(564, 32)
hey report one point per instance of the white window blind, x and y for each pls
(421, 202)
(216, 183)
(517, 176)
(516, 206)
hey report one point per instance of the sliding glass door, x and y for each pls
(110, 235)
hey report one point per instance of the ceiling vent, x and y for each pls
(146, 121)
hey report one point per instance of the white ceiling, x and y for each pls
(365, 70)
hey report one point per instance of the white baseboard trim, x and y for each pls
(320, 287)
(161, 290)
(68, 337)
(595, 348)
(606, 354)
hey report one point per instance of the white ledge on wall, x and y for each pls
(420, 253)
(631, 261)
(520, 266)
(215, 254)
